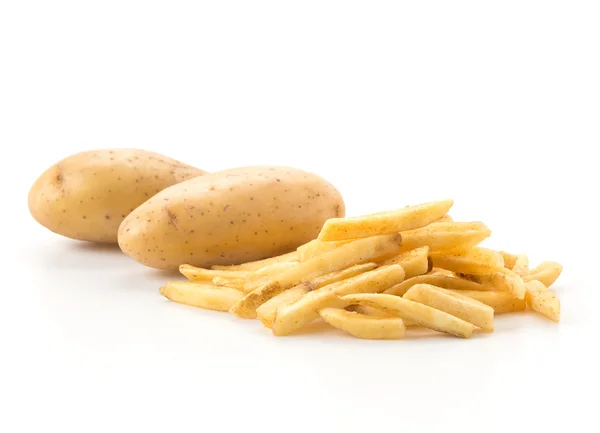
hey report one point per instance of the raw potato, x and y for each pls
(201, 295)
(384, 223)
(230, 217)
(87, 195)
(364, 326)
(501, 302)
(463, 307)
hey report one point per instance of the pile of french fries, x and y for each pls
(375, 275)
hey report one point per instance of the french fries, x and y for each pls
(478, 261)
(453, 303)
(543, 300)
(384, 223)
(253, 266)
(360, 251)
(291, 317)
(440, 236)
(375, 275)
(201, 295)
(501, 302)
(546, 273)
(199, 274)
(438, 280)
(266, 312)
(421, 314)
(415, 262)
(363, 326)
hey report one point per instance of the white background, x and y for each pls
(495, 104)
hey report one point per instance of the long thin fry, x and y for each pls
(253, 266)
(363, 326)
(439, 280)
(201, 295)
(501, 302)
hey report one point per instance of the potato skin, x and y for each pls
(86, 196)
(230, 217)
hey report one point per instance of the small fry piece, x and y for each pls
(478, 261)
(262, 276)
(360, 251)
(415, 262)
(253, 266)
(440, 240)
(234, 283)
(370, 311)
(546, 273)
(445, 219)
(363, 326)
(543, 300)
(505, 280)
(453, 303)
(293, 316)
(438, 280)
(384, 223)
(421, 314)
(509, 259)
(199, 274)
(201, 295)
(317, 247)
(501, 302)
(266, 312)
(521, 266)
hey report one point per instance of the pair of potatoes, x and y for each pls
(164, 213)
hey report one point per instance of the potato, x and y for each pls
(230, 217)
(87, 195)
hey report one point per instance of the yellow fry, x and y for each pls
(504, 280)
(384, 223)
(445, 219)
(501, 302)
(266, 312)
(509, 259)
(543, 300)
(546, 273)
(363, 326)
(360, 251)
(200, 274)
(442, 240)
(521, 265)
(201, 295)
(421, 314)
(293, 316)
(453, 303)
(262, 276)
(415, 262)
(478, 261)
(234, 283)
(253, 266)
(317, 247)
(438, 280)
(370, 311)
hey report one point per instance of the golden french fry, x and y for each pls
(262, 276)
(546, 273)
(440, 271)
(504, 280)
(442, 240)
(384, 223)
(266, 312)
(521, 265)
(438, 280)
(370, 311)
(200, 274)
(415, 262)
(501, 302)
(317, 247)
(201, 295)
(445, 219)
(357, 252)
(453, 303)
(363, 326)
(509, 259)
(253, 266)
(234, 283)
(421, 314)
(543, 300)
(293, 316)
(478, 261)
